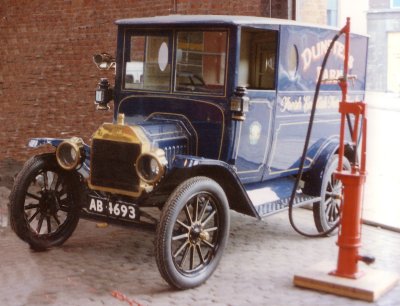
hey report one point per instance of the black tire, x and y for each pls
(44, 203)
(327, 211)
(192, 233)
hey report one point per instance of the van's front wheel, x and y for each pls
(192, 233)
(44, 203)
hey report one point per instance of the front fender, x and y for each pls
(55, 142)
(185, 167)
(39, 142)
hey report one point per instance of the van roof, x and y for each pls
(212, 19)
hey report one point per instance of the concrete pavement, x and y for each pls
(97, 265)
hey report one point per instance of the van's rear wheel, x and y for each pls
(327, 211)
(192, 233)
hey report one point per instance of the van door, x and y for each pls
(257, 72)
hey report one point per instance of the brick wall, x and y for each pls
(47, 78)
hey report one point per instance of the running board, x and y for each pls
(273, 196)
(270, 208)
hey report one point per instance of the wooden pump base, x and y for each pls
(370, 286)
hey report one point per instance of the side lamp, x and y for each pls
(104, 94)
(240, 103)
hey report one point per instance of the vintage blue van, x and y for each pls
(210, 114)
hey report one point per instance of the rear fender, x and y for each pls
(185, 167)
(313, 178)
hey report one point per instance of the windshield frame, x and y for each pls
(172, 58)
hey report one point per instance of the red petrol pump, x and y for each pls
(346, 279)
(349, 237)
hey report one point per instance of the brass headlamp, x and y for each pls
(70, 153)
(151, 166)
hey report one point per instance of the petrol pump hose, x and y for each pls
(306, 144)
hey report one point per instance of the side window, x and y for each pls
(148, 66)
(201, 61)
(257, 59)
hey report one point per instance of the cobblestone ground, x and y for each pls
(258, 266)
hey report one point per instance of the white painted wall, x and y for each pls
(357, 11)
(314, 11)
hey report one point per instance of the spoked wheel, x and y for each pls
(192, 233)
(44, 203)
(327, 211)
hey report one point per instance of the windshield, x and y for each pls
(199, 62)
(148, 66)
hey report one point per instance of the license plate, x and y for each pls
(116, 210)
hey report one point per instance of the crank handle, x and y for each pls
(367, 259)
(350, 77)
(337, 81)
